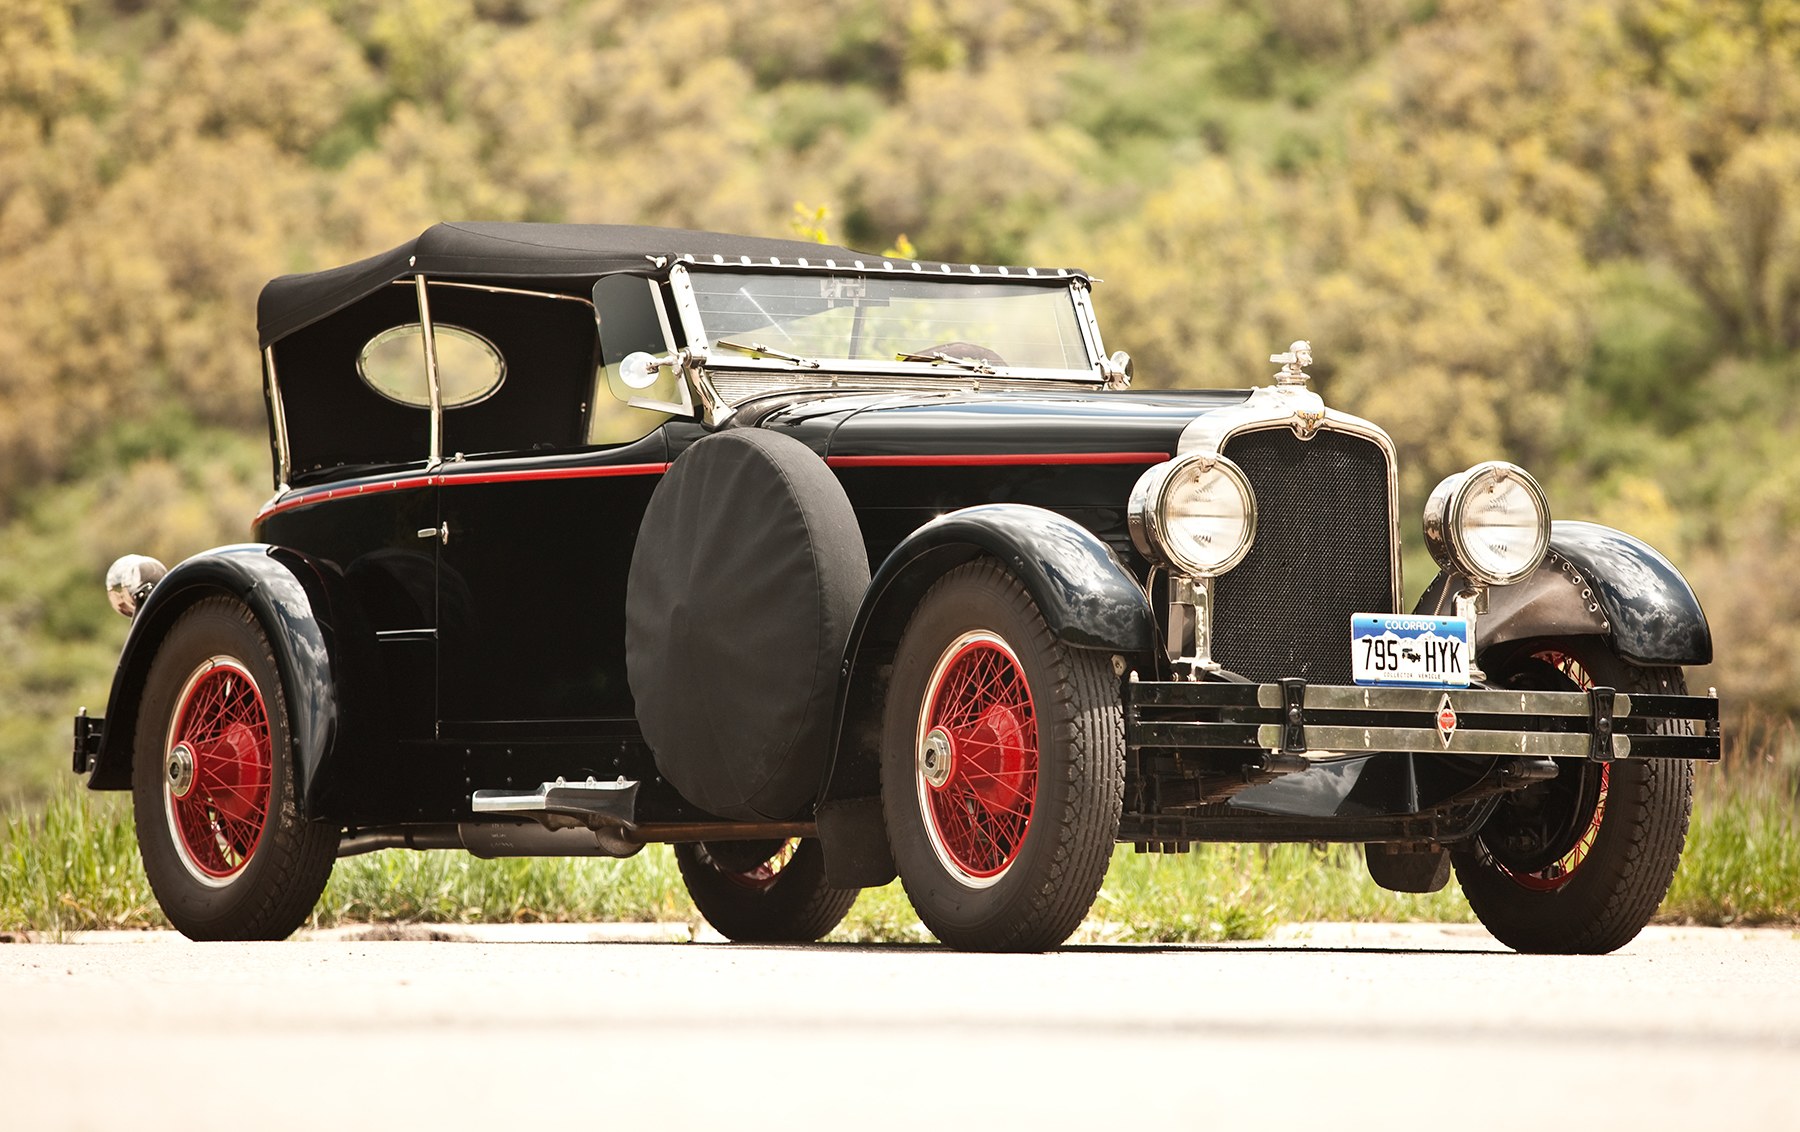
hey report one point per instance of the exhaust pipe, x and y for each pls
(492, 840)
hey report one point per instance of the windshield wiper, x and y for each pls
(938, 356)
(757, 349)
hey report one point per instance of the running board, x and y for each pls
(566, 805)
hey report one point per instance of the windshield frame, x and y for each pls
(700, 342)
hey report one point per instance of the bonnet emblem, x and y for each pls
(1293, 364)
(1309, 414)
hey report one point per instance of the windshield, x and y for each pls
(820, 318)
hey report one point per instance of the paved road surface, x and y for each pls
(1411, 1028)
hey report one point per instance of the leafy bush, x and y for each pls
(1563, 232)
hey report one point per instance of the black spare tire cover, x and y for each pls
(747, 574)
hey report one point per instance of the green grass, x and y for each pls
(442, 888)
(73, 865)
(1742, 862)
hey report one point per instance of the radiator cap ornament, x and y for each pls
(1293, 363)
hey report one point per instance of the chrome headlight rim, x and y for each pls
(1148, 520)
(1446, 533)
(129, 581)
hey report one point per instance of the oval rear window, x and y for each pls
(469, 367)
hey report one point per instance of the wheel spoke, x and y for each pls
(1561, 871)
(761, 876)
(222, 721)
(981, 813)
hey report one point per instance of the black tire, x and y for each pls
(213, 784)
(1578, 865)
(763, 891)
(981, 685)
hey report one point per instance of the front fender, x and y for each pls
(1595, 581)
(322, 648)
(1087, 597)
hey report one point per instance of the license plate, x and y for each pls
(1430, 652)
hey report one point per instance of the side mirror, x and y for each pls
(640, 370)
(1118, 370)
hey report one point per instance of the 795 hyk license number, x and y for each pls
(1407, 650)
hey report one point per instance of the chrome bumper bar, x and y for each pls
(1314, 722)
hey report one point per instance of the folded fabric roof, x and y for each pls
(494, 251)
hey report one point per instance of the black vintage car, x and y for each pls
(825, 567)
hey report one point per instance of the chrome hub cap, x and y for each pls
(178, 769)
(934, 757)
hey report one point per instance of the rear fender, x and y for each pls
(1594, 581)
(322, 646)
(1085, 594)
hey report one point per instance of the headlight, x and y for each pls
(1195, 514)
(130, 580)
(1491, 523)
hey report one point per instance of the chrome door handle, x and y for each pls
(440, 532)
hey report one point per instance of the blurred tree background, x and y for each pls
(1562, 232)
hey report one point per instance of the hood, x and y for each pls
(996, 424)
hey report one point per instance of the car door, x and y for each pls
(382, 534)
(531, 592)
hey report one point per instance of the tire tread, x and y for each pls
(1649, 803)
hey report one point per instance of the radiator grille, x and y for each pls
(1321, 555)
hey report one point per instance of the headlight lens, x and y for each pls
(1491, 523)
(1195, 514)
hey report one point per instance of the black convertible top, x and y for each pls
(493, 250)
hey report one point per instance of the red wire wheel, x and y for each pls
(766, 891)
(217, 770)
(762, 876)
(977, 758)
(215, 785)
(994, 727)
(1561, 871)
(1577, 864)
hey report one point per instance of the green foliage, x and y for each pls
(806, 115)
(1742, 863)
(74, 866)
(437, 888)
(43, 74)
(161, 486)
(1653, 340)
(1220, 892)
(1562, 232)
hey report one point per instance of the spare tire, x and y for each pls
(747, 574)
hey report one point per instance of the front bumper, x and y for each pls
(1293, 722)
